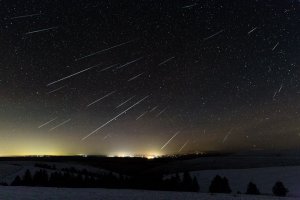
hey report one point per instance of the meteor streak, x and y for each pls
(217, 33)
(183, 145)
(161, 112)
(130, 62)
(48, 122)
(227, 135)
(57, 89)
(165, 61)
(55, 127)
(41, 30)
(25, 16)
(154, 108)
(121, 104)
(131, 79)
(67, 77)
(107, 95)
(189, 6)
(275, 46)
(103, 50)
(169, 140)
(106, 68)
(144, 113)
(279, 90)
(252, 30)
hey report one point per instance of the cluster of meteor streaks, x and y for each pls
(114, 118)
(137, 71)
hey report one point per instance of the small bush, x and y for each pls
(279, 189)
(252, 189)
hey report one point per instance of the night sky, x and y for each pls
(148, 77)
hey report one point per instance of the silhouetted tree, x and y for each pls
(187, 182)
(225, 184)
(177, 182)
(27, 178)
(252, 189)
(216, 184)
(40, 178)
(173, 183)
(279, 189)
(55, 180)
(196, 187)
(219, 185)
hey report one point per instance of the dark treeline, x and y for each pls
(127, 165)
(45, 166)
(70, 177)
(221, 185)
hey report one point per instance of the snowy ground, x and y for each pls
(264, 178)
(34, 193)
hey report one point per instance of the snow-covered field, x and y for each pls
(264, 178)
(35, 193)
(9, 169)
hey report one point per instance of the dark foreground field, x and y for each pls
(141, 173)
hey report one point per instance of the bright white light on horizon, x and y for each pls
(149, 155)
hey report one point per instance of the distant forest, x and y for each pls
(71, 177)
(50, 176)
